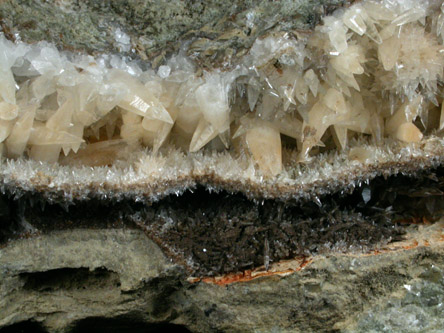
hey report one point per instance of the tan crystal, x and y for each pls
(8, 111)
(204, 133)
(362, 155)
(405, 114)
(340, 136)
(334, 100)
(388, 52)
(46, 153)
(140, 100)
(264, 143)
(408, 132)
(5, 129)
(19, 136)
(7, 86)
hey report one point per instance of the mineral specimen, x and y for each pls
(231, 149)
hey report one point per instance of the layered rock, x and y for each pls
(178, 157)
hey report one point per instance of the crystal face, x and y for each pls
(369, 72)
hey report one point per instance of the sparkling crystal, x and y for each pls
(354, 19)
(370, 71)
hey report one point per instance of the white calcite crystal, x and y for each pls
(370, 72)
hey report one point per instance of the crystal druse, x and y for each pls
(293, 116)
(233, 135)
(297, 108)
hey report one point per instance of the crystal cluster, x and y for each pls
(371, 71)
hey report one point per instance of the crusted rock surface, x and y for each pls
(152, 30)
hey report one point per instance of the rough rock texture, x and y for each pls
(220, 29)
(118, 279)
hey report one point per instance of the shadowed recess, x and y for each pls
(115, 325)
(70, 278)
(27, 326)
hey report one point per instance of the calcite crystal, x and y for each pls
(369, 72)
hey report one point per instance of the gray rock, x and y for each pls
(220, 31)
(70, 281)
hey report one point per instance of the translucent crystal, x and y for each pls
(145, 106)
(77, 131)
(440, 25)
(388, 52)
(164, 71)
(319, 119)
(48, 60)
(405, 114)
(408, 132)
(379, 11)
(45, 153)
(188, 119)
(311, 79)
(212, 98)
(270, 102)
(335, 101)
(8, 111)
(263, 50)
(43, 136)
(7, 86)
(301, 90)
(253, 94)
(131, 132)
(11, 53)
(337, 33)
(340, 136)
(20, 132)
(349, 62)
(203, 134)
(122, 39)
(411, 15)
(159, 129)
(354, 19)
(43, 86)
(441, 118)
(5, 129)
(62, 118)
(264, 143)
(290, 126)
(371, 70)
(138, 99)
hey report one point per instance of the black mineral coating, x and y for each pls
(213, 233)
